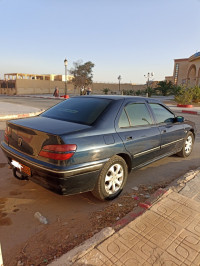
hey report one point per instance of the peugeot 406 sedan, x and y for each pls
(91, 143)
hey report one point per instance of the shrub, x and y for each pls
(125, 92)
(138, 92)
(196, 94)
(176, 90)
(150, 91)
(106, 90)
(128, 92)
(185, 96)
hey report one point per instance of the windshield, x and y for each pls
(78, 110)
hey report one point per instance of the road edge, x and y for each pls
(17, 116)
(78, 252)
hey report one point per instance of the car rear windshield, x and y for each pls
(78, 110)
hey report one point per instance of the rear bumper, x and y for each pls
(65, 181)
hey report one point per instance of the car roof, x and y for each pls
(120, 97)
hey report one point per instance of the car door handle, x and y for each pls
(129, 138)
(163, 131)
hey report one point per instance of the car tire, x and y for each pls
(187, 145)
(112, 179)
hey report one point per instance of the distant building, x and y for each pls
(186, 71)
(169, 78)
(51, 77)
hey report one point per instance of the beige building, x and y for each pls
(52, 77)
(187, 71)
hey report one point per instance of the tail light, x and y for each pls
(58, 152)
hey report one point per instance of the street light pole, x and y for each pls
(148, 76)
(119, 78)
(65, 63)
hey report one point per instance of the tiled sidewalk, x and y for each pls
(167, 234)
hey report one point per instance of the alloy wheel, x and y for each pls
(188, 144)
(114, 178)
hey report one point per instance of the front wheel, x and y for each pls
(187, 145)
(112, 179)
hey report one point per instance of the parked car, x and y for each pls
(91, 143)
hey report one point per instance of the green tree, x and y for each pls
(82, 74)
(165, 87)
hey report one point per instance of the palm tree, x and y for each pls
(165, 87)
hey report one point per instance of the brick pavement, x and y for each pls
(166, 234)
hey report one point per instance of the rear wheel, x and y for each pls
(187, 145)
(112, 179)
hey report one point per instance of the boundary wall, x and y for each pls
(28, 87)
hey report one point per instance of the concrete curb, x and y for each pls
(185, 111)
(40, 97)
(70, 257)
(78, 252)
(191, 112)
(137, 211)
(9, 117)
(179, 184)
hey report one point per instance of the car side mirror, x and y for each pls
(179, 119)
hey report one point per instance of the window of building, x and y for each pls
(176, 73)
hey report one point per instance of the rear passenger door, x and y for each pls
(172, 132)
(139, 133)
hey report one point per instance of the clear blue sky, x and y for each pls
(121, 37)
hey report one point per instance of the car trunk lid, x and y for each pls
(29, 136)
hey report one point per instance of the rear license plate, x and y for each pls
(23, 168)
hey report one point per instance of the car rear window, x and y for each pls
(78, 110)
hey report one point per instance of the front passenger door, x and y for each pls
(141, 137)
(172, 133)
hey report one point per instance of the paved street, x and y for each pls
(31, 101)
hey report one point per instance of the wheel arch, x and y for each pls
(127, 159)
(192, 130)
